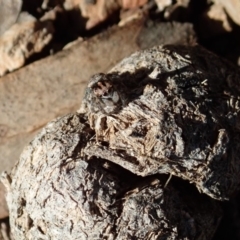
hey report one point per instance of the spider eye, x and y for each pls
(115, 97)
(105, 94)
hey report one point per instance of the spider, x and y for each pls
(104, 95)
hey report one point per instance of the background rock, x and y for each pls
(232, 7)
(127, 4)
(162, 4)
(214, 22)
(21, 41)
(97, 11)
(9, 11)
(3, 205)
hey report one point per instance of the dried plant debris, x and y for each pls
(172, 110)
(54, 193)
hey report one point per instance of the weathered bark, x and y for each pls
(56, 194)
(170, 109)
(167, 110)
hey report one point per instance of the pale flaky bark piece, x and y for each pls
(173, 110)
(54, 192)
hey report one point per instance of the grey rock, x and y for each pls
(21, 41)
(54, 192)
(9, 11)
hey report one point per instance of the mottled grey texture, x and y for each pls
(180, 116)
(101, 173)
(55, 193)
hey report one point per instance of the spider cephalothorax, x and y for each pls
(104, 95)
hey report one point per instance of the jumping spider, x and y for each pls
(103, 95)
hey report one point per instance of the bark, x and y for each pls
(170, 109)
(55, 193)
(101, 173)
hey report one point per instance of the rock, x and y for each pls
(214, 22)
(232, 7)
(25, 17)
(9, 11)
(97, 11)
(46, 4)
(5, 233)
(128, 15)
(71, 4)
(21, 41)
(131, 15)
(55, 193)
(179, 10)
(3, 204)
(55, 85)
(170, 110)
(128, 4)
(162, 4)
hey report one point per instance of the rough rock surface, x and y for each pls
(97, 11)
(170, 109)
(9, 11)
(21, 41)
(232, 7)
(3, 205)
(214, 22)
(55, 85)
(163, 4)
(128, 4)
(55, 193)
